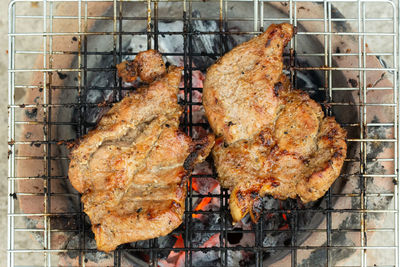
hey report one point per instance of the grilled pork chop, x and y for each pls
(273, 140)
(238, 96)
(132, 169)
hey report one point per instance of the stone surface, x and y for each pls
(3, 131)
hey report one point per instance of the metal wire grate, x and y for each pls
(56, 48)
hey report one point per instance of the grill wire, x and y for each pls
(18, 255)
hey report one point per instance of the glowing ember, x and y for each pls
(179, 241)
(205, 201)
(195, 185)
(180, 260)
(205, 185)
(201, 205)
(285, 227)
(197, 79)
(212, 242)
(174, 257)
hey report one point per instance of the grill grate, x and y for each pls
(49, 80)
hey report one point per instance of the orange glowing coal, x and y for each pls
(177, 259)
(212, 242)
(179, 241)
(203, 203)
(286, 226)
(195, 185)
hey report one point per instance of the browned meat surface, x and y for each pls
(294, 151)
(132, 168)
(148, 65)
(238, 99)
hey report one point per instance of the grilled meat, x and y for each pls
(132, 169)
(147, 65)
(238, 96)
(286, 148)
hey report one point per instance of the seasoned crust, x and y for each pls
(199, 151)
(158, 98)
(299, 156)
(151, 205)
(293, 174)
(272, 140)
(156, 217)
(327, 161)
(131, 168)
(238, 95)
(148, 65)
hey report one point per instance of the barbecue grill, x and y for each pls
(65, 80)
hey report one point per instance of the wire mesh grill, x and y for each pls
(50, 76)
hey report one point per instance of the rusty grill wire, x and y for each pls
(19, 81)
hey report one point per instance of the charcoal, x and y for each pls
(210, 222)
(238, 258)
(76, 242)
(165, 242)
(209, 258)
(141, 244)
(234, 238)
